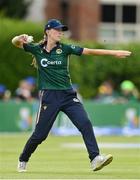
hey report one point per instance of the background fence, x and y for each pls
(106, 118)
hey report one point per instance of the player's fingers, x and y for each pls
(120, 56)
(127, 53)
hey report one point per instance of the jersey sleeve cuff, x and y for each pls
(81, 51)
(25, 46)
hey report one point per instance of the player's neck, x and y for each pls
(50, 45)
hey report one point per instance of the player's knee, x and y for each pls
(86, 126)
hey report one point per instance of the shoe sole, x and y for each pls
(105, 163)
(21, 171)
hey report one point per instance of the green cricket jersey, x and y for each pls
(53, 67)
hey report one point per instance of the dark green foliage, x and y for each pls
(15, 64)
(90, 71)
(14, 8)
(87, 71)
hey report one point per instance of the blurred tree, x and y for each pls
(14, 8)
(86, 71)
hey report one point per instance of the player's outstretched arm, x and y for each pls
(116, 53)
(18, 41)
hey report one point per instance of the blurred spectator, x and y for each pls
(5, 94)
(2, 91)
(129, 91)
(106, 93)
(26, 89)
(31, 80)
(32, 84)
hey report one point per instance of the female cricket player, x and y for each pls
(56, 92)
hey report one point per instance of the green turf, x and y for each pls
(52, 161)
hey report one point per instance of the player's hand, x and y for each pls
(23, 38)
(122, 54)
(18, 41)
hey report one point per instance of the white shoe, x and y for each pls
(100, 161)
(21, 166)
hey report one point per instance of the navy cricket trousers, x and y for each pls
(51, 102)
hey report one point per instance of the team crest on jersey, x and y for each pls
(59, 51)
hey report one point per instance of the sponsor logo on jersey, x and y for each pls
(59, 51)
(45, 62)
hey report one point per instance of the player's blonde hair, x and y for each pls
(42, 42)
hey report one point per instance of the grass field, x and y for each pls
(54, 160)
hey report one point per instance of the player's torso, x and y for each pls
(53, 68)
(55, 59)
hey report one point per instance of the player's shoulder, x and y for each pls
(72, 49)
(66, 46)
(62, 45)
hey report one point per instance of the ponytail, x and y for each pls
(41, 43)
(34, 63)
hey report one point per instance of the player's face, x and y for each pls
(55, 34)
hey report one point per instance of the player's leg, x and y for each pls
(46, 117)
(75, 111)
(79, 117)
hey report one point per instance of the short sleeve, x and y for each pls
(30, 47)
(72, 49)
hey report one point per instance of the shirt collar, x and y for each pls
(44, 44)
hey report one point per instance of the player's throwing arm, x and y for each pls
(18, 41)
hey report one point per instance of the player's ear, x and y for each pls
(45, 36)
(47, 32)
